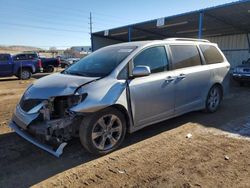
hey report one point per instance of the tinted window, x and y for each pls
(32, 56)
(100, 63)
(185, 56)
(211, 54)
(20, 57)
(4, 57)
(155, 58)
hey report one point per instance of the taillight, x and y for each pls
(40, 63)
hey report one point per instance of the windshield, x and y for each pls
(101, 62)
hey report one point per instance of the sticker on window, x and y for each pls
(125, 50)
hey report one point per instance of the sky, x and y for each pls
(65, 23)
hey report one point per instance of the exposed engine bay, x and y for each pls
(55, 123)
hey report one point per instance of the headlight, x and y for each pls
(61, 104)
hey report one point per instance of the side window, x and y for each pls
(20, 57)
(211, 54)
(32, 56)
(4, 58)
(155, 58)
(185, 56)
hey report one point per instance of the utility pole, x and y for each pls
(90, 27)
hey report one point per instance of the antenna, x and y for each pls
(90, 27)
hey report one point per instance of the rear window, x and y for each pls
(211, 54)
(4, 57)
(185, 56)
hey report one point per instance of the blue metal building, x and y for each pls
(228, 25)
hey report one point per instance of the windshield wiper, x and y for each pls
(75, 73)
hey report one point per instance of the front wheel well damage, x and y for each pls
(123, 110)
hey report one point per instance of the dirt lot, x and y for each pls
(217, 154)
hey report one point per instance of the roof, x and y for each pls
(165, 41)
(227, 19)
(135, 43)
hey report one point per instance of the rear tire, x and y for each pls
(214, 98)
(24, 74)
(103, 132)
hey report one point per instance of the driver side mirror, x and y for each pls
(140, 71)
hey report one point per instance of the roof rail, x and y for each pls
(187, 39)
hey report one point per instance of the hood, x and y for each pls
(56, 85)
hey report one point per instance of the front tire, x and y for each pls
(103, 132)
(214, 98)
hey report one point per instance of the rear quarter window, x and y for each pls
(184, 56)
(211, 54)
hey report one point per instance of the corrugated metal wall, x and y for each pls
(99, 42)
(235, 47)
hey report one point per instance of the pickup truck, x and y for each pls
(49, 64)
(20, 65)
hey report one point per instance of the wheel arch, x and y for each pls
(124, 111)
(220, 86)
(25, 67)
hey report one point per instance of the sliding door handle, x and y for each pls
(182, 76)
(169, 79)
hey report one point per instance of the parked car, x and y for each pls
(65, 64)
(242, 73)
(21, 65)
(72, 60)
(121, 88)
(49, 64)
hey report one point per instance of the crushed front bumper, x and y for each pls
(20, 124)
(29, 138)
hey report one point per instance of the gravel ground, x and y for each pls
(216, 155)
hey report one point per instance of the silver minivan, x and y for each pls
(118, 89)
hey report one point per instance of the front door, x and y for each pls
(152, 97)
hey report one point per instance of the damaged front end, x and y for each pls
(48, 123)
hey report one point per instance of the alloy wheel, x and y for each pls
(214, 98)
(25, 74)
(106, 132)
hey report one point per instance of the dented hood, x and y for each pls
(56, 85)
